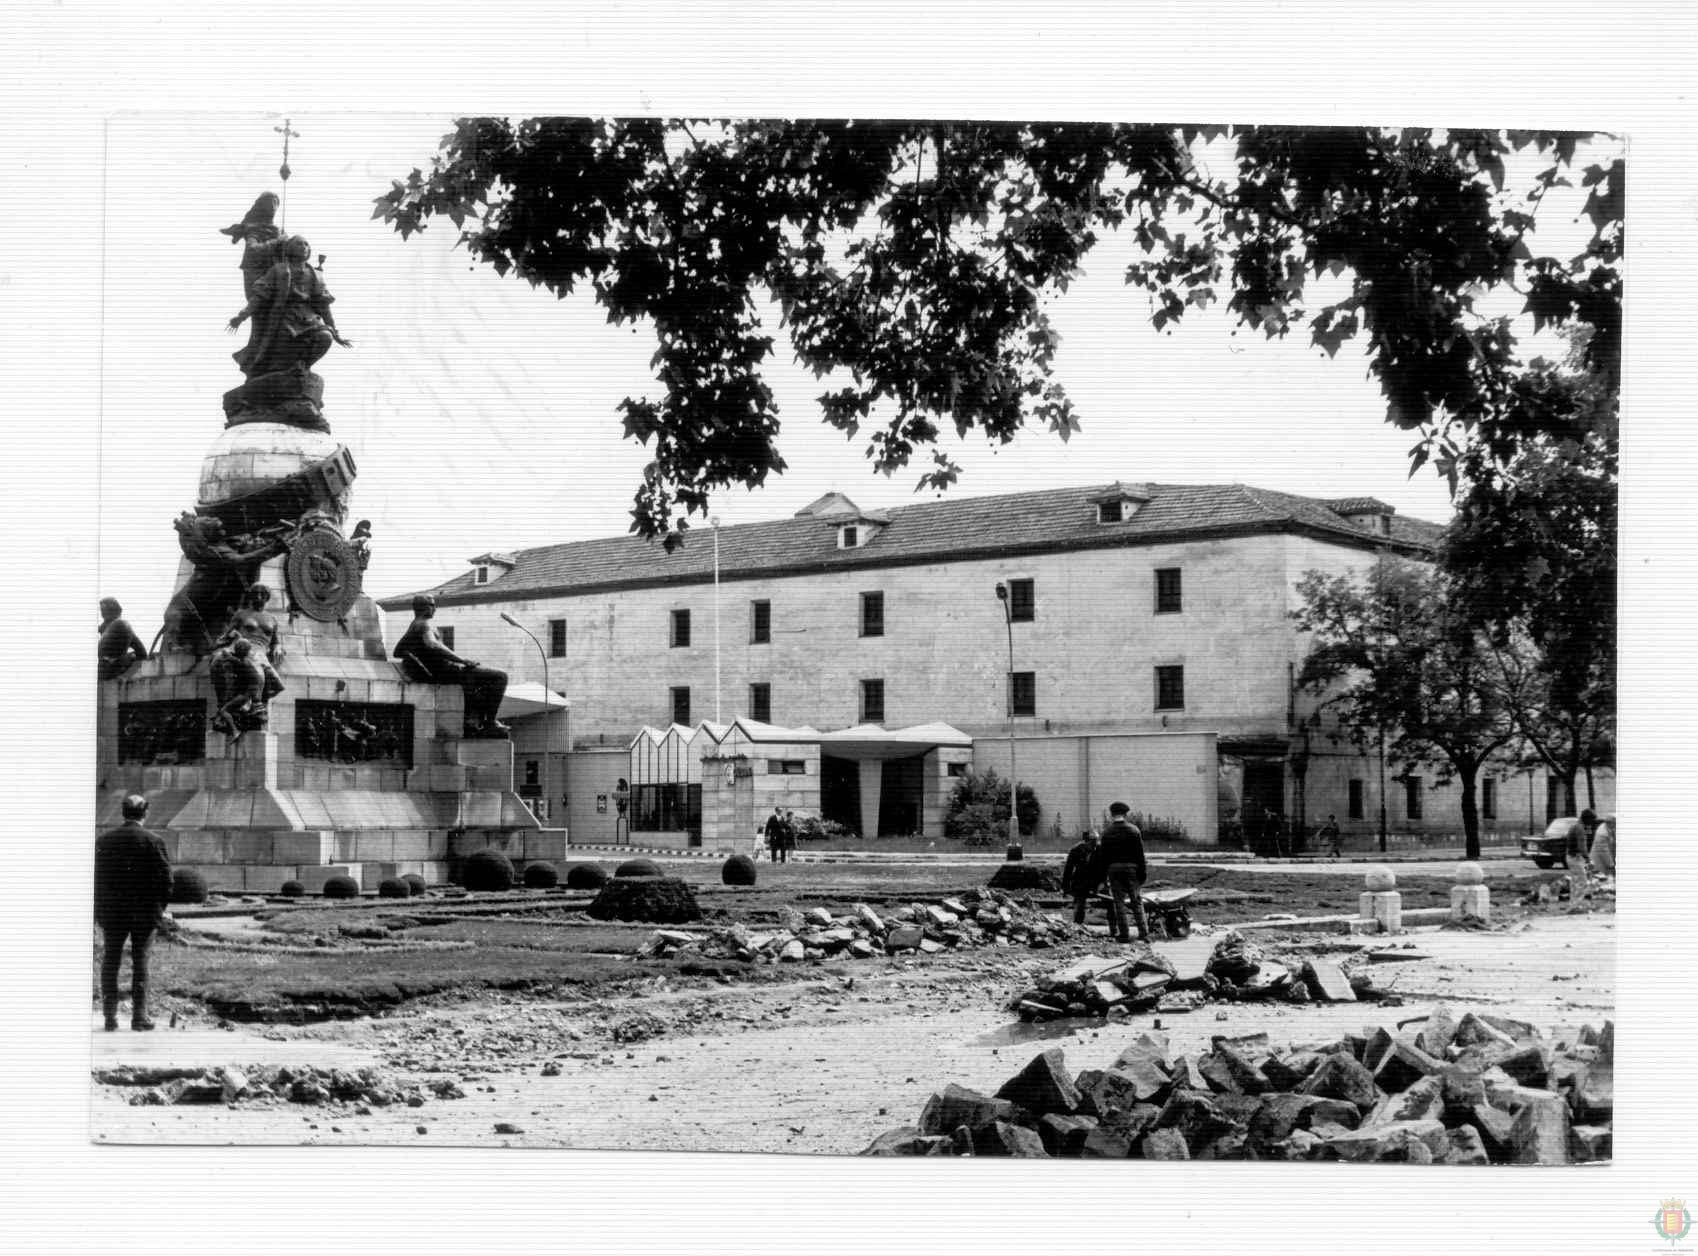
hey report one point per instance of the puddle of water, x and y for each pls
(1034, 1031)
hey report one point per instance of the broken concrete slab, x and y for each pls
(957, 1106)
(1474, 1031)
(1589, 1142)
(1327, 982)
(1402, 1065)
(1043, 1086)
(1540, 1133)
(1000, 1138)
(1436, 1033)
(1391, 1142)
(1064, 1134)
(1340, 1077)
(1164, 1144)
(1105, 1144)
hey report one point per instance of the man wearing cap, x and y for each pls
(1120, 862)
(132, 886)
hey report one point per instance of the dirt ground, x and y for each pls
(830, 1056)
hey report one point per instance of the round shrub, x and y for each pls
(586, 876)
(394, 887)
(637, 868)
(738, 870)
(415, 883)
(487, 870)
(292, 889)
(187, 886)
(541, 875)
(341, 887)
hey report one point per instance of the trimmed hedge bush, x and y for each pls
(292, 889)
(394, 887)
(187, 886)
(415, 883)
(586, 876)
(738, 870)
(638, 868)
(341, 887)
(487, 870)
(541, 875)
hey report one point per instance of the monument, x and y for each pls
(272, 734)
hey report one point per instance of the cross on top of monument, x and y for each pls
(287, 133)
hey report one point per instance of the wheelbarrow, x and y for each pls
(1164, 910)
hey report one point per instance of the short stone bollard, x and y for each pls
(1380, 906)
(1469, 897)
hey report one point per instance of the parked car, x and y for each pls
(1553, 845)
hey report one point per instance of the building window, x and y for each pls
(447, 634)
(1170, 688)
(1412, 797)
(533, 774)
(680, 628)
(1488, 799)
(872, 614)
(670, 808)
(1354, 810)
(1023, 693)
(681, 704)
(849, 537)
(872, 701)
(760, 703)
(557, 638)
(955, 769)
(1167, 590)
(760, 622)
(480, 574)
(1022, 601)
(786, 767)
(1111, 512)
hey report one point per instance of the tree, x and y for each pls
(1531, 559)
(978, 809)
(912, 263)
(1390, 655)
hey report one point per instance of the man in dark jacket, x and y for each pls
(1076, 873)
(1120, 862)
(132, 885)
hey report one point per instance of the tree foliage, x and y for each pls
(912, 263)
(1391, 653)
(978, 809)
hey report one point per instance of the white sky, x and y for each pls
(482, 415)
(68, 66)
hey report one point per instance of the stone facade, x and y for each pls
(1096, 639)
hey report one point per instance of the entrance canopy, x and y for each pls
(870, 741)
(526, 697)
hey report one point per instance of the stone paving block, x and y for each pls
(374, 846)
(1540, 1132)
(1402, 1065)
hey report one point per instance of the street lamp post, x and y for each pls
(1008, 693)
(547, 691)
(715, 522)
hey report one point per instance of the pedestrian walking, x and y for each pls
(132, 886)
(1076, 873)
(1120, 862)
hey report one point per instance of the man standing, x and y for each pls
(1332, 835)
(1076, 873)
(1120, 862)
(132, 885)
(774, 835)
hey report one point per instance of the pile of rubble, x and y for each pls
(365, 1088)
(1481, 1090)
(981, 917)
(1144, 981)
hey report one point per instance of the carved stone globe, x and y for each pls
(1379, 879)
(1469, 874)
(250, 458)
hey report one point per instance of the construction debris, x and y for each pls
(981, 917)
(301, 1084)
(1374, 1096)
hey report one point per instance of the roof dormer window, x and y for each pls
(487, 568)
(849, 536)
(1119, 502)
(480, 574)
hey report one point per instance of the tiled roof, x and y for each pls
(1035, 522)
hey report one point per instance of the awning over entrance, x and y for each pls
(526, 697)
(870, 741)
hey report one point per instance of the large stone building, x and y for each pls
(1153, 650)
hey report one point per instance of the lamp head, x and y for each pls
(1001, 591)
(509, 619)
